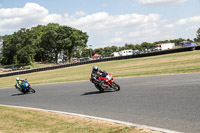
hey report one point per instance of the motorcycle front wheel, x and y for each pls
(115, 86)
(32, 90)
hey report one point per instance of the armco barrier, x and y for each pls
(103, 60)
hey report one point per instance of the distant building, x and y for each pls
(188, 44)
(61, 57)
(126, 52)
(115, 54)
(165, 46)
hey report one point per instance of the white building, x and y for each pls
(165, 46)
(61, 57)
(115, 54)
(126, 52)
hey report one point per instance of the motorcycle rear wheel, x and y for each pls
(116, 87)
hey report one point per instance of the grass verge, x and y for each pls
(15, 120)
(186, 62)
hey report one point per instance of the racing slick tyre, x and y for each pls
(32, 90)
(116, 87)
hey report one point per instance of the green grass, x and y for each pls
(15, 120)
(186, 62)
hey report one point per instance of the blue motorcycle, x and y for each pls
(26, 87)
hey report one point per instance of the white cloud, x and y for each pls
(103, 20)
(51, 18)
(190, 20)
(146, 32)
(116, 40)
(184, 28)
(29, 10)
(162, 2)
(118, 33)
(15, 18)
(80, 13)
(103, 28)
(116, 27)
(169, 26)
(193, 28)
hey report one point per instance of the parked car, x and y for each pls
(14, 67)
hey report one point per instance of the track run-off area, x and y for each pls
(169, 102)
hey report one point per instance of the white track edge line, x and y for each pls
(97, 118)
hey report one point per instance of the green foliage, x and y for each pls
(106, 51)
(198, 36)
(41, 43)
(198, 33)
(99, 51)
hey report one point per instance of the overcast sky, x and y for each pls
(107, 22)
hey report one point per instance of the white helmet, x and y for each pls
(17, 79)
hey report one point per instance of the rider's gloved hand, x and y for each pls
(16, 86)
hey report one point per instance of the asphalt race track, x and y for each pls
(170, 102)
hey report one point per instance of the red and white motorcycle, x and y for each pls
(106, 83)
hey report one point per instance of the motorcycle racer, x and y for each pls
(23, 86)
(103, 80)
(18, 83)
(95, 74)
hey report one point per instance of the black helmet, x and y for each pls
(95, 68)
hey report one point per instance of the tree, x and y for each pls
(49, 42)
(138, 47)
(198, 36)
(146, 45)
(77, 39)
(99, 51)
(130, 46)
(9, 49)
(25, 48)
(85, 52)
(37, 33)
(42, 43)
(198, 33)
(177, 41)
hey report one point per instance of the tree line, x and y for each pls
(45, 43)
(107, 51)
(41, 43)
